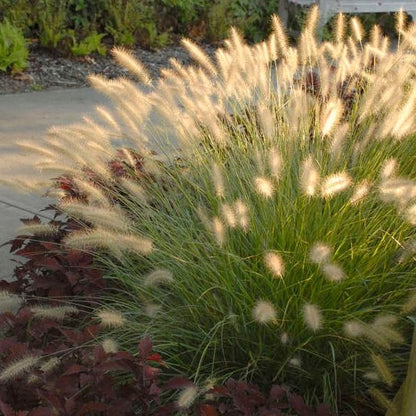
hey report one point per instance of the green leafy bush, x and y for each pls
(51, 17)
(13, 48)
(187, 11)
(92, 43)
(252, 17)
(18, 13)
(272, 236)
(131, 22)
(86, 16)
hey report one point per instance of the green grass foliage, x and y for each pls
(272, 235)
(13, 48)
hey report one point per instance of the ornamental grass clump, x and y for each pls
(267, 229)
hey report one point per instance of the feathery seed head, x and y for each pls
(309, 177)
(126, 59)
(274, 264)
(199, 56)
(281, 38)
(381, 333)
(388, 169)
(372, 376)
(229, 215)
(320, 253)
(400, 21)
(218, 180)
(357, 29)
(17, 368)
(383, 369)
(333, 272)
(397, 190)
(187, 397)
(95, 195)
(410, 214)
(354, 329)
(339, 137)
(383, 401)
(335, 183)
(383, 329)
(111, 319)
(109, 345)
(134, 188)
(38, 229)
(375, 37)
(340, 28)
(409, 306)
(116, 243)
(108, 118)
(219, 231)
(331, 116)
(312, 19)
(9, 302)
(272, 45)
(267, 122)
(53, 312)
(275, 163)
(241, 211)
(264, 186)
(385, 320)
(110, 218)
(295, 362)
(151, 309)
(284, 338)
(264, 312)
(360, 192)
(100, 83)
(158, 277)
(50, 364)
(312, 317)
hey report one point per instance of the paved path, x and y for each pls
(28, 116)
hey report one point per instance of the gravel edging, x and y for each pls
(48, 71)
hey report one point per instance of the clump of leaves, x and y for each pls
(92, 43)
(13, 48)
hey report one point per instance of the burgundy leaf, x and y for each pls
(6, 410)
(323, 410)
(42, 411)
(151, 372)
(16, 243)
(120, 408)
(276, 392)
(177, 383)
(299, 405)
(51, 247)
(207, 410)
(73, 277)
(75, 369)
(145, 347)
(50, 263)
(155, 390)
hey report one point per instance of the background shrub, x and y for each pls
(13, 48)
(153, 24)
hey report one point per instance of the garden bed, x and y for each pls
(48, 70)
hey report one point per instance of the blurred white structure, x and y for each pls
(329, 8)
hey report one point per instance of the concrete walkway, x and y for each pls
(28, 116)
